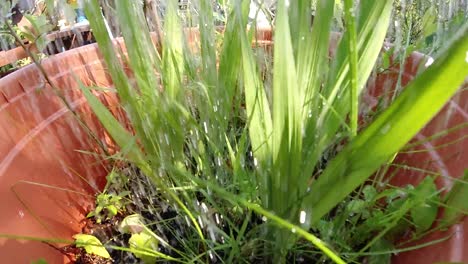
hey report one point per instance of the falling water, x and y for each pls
(171, 224)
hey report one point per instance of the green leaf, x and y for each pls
(456, 201)
(386, 59)
(424, 211)
(91, 214)
(98, 209)
(356, 206)
(143, 241)
(40, 261)
(429, 21)
(112, 210)
(91, 244)
(369, 192)
(259, 118)
(381, 245)
(121, 136)
(142, 238)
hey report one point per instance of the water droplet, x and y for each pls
(21, 213)
(384, 130)
(430, 60)
(255, 162)
(264, 218)
(466, 58)
(205, 127)
(200, 222)
(293, 230)
(302, 217)
(204, 207)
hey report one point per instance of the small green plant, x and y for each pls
(109, 204)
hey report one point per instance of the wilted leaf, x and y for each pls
(131, 224)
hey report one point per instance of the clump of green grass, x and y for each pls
(275, 149)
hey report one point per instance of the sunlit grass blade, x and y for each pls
(287, 121)
(122, 137)
(256, 102)
(173, 50)
(374, 18)
(350, 18)
(143, 58)
(122, 84)
(148, 124)
(207, 41)
(312, 67)
(229, 71)
(391, 130)
(270, 216)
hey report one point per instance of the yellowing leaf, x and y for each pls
(142, 242)
(91, 244)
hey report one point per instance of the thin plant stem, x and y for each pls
(280, 221)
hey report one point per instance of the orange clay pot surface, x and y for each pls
(446, 156)
(47, 180)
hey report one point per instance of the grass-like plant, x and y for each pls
(221, 125)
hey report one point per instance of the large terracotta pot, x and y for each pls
(40, 139)
(446, 156)
(39, 142)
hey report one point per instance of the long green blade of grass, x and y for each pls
(287, 119)
(256, 102)
(122, 137)
(350, 18)
(121, 81)
(374, 18)
(173, 50)
(281, 222)
(312, 69)
(159, 132)
(416, 105)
